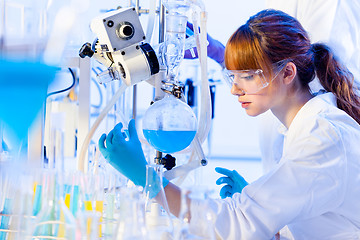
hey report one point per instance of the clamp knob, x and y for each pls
(86, 50)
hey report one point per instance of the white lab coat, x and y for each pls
(314, 188)
(334, 22)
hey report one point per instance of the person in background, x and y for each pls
(314, 187)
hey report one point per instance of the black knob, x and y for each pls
(169, 162)
(86, 50)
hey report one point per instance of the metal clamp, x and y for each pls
(173, 89)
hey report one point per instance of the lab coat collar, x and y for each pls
(310, 107)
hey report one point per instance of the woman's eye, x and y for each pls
(248, 77)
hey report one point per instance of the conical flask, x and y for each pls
(54, 221)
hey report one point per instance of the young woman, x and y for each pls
(314, 189)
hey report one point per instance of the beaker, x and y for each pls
(169, 125)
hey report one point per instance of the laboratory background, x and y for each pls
(66, 79)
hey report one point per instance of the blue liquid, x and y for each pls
(22, 95)
(74, 201)
(169, 141)
(37, 200)
(4, 224)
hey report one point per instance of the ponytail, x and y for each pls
(337, 79)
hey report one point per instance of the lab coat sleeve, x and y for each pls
(308, 181)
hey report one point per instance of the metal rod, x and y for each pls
(134, 102)
(137, 6)
(161, 22)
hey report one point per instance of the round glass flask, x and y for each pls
(169, 125)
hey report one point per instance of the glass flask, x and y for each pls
(113, 185)
(91, 203)
(199, 226)
(54, 221)
(89, 224)
(8, 196)
(169, 125)
(131, 215)
(157, 214)
(174, 43)
(16, 200)
(177, 6)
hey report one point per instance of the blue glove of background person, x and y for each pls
(233, 180)
(126, 156)
(215, 49)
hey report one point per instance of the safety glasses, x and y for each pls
(251, 81)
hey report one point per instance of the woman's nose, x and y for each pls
(235, 90)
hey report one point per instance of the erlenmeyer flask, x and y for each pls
(169, 125)
(158, 219)
(54, 221)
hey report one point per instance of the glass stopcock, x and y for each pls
(169, 125)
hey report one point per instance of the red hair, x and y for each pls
(271, 36)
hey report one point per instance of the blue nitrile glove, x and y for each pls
(233, 180)
(127, 156)
(215, 49)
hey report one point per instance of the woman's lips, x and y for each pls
(245, 104)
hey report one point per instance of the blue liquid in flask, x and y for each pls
(169, 141)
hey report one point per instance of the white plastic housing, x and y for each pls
(108, 25)
(132, 65)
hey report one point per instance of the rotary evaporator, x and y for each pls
(90, 202)
(169, 124)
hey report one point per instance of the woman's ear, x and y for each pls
(289, 72)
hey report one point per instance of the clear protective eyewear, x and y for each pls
(251, 81)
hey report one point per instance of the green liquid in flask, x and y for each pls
(169, 141)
